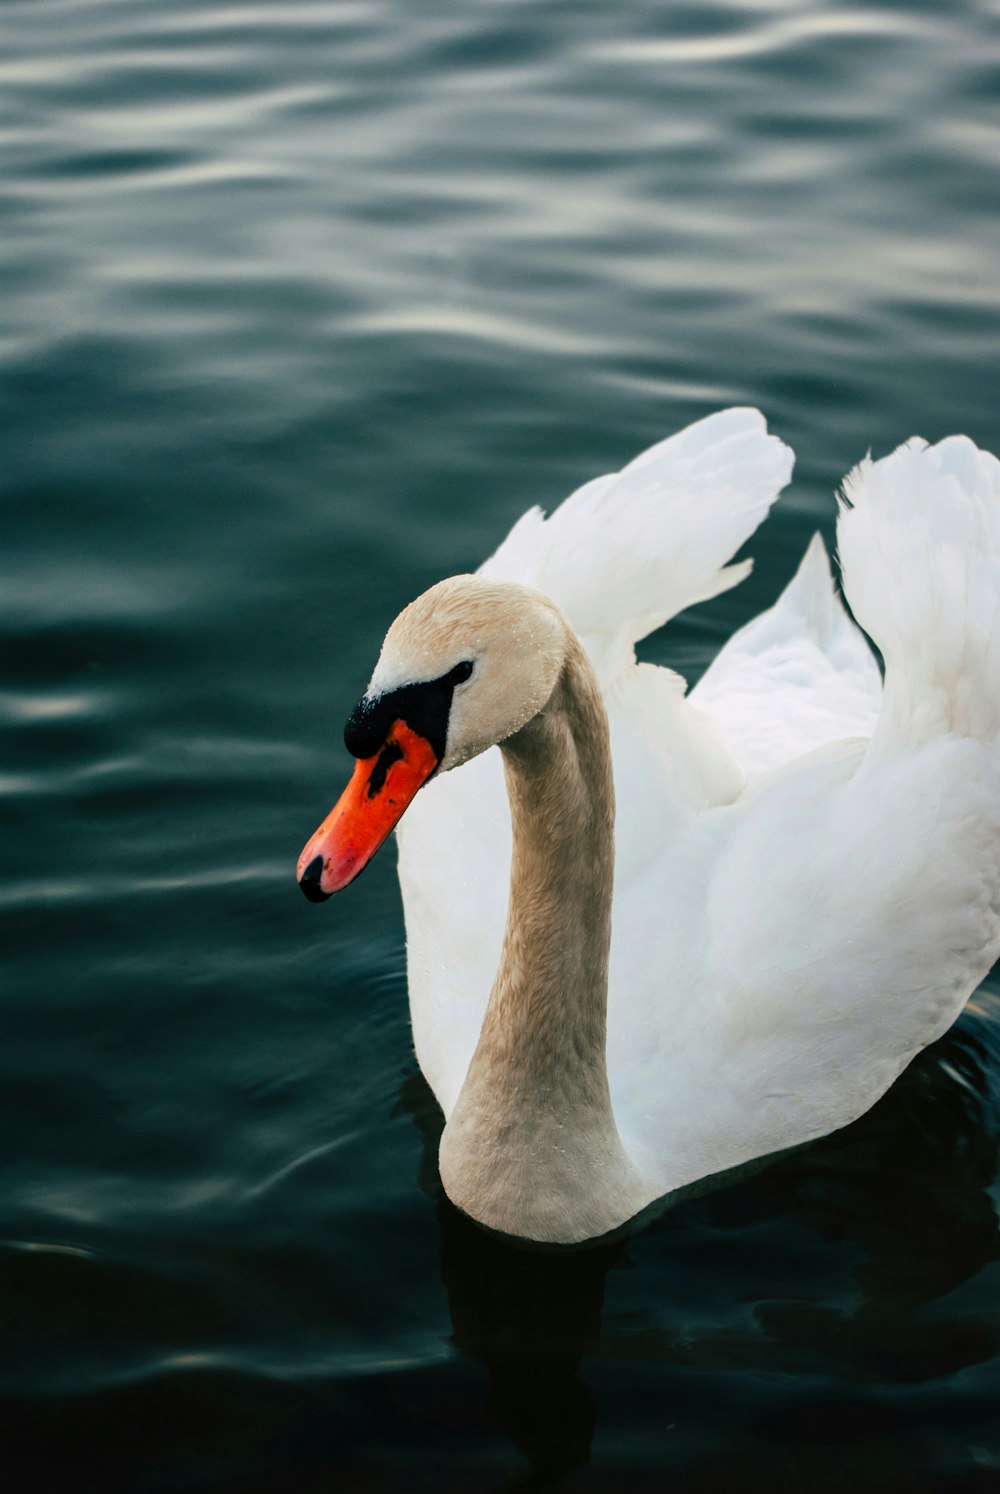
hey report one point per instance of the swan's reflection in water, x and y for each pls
(529, 1316)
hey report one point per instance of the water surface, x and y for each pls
(305, 304)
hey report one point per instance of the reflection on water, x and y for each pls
(306, 303)
(529, 1317)
(527, 1314)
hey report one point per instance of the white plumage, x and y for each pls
(807, 877)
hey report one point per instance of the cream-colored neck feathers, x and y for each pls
(531, 1147)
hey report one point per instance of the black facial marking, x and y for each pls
(424, 707)
(391, 753)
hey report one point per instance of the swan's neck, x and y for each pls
(531, 1147)
(547, 1012)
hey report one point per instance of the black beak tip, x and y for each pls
(309, 881)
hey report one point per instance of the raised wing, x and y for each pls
(628, 551)
(797, 677)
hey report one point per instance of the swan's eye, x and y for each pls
(460, 673)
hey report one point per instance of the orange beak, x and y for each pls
(380, 789)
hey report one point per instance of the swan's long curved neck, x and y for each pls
(531, 1146)
(547, 1013)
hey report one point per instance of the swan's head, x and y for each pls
(463, 667)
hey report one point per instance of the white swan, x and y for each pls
(804, 864)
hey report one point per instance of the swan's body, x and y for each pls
(806, 867)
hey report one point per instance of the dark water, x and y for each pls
(305, 303)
